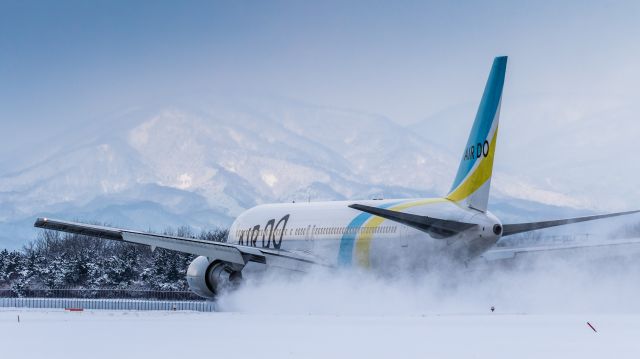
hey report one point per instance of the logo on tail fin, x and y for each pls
(480, 150)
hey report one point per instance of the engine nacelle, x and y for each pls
(209, 278)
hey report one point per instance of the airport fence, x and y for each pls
(107, 299)
(108, 293)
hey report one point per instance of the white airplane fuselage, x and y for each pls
(342, 236)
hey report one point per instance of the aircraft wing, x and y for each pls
(231, 253)
(510, 229)
(510, 253)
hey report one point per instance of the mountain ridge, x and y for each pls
(202, 166)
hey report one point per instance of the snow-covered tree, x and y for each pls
(63, 260)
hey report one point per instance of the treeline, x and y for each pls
(64, 260)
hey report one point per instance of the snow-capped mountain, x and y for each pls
(154, 167)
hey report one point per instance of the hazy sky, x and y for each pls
(66, 62)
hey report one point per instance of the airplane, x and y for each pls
(386, 235)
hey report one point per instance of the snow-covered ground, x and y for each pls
(542, 310)
(104, 334)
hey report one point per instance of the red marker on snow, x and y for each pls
(591, 326)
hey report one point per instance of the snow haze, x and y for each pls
(542, 306)
(599, 280)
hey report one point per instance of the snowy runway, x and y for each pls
(104, 334)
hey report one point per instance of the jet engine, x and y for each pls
(209, 278)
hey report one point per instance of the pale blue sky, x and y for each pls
(63, 63)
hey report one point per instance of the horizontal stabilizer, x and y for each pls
(510, 229)
(437, 228)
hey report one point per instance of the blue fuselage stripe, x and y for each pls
(348, 240)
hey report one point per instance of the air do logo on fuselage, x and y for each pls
(477, 151)
(272, 234)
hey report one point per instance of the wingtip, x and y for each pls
(40, 222)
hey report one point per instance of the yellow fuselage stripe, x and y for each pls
(363, 243)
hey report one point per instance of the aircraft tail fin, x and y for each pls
(473, 180)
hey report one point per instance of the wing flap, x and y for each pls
(201, 248)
